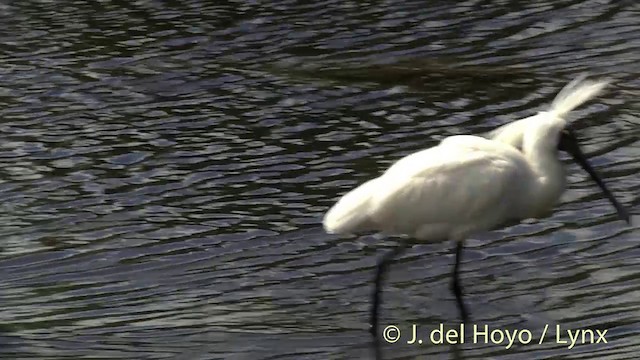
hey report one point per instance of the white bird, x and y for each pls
(470, 184)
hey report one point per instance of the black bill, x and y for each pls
(569, 143)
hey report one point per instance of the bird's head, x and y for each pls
(548, 131)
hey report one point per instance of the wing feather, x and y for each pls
(464, 183)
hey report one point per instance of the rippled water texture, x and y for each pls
(164, 167)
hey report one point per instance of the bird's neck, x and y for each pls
(549, 183)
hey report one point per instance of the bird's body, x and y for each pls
(469, 184)
(463, 185)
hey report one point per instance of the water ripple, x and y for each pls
(165, 167)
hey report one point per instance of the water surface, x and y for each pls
(164, 168)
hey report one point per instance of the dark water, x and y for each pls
(164, 167)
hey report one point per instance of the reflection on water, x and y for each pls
(165, 166)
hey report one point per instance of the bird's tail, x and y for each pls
(351, 213)
(575, 94)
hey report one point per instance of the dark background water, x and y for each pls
(164, 168)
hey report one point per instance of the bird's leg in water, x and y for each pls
(381, 270)
(455, 284)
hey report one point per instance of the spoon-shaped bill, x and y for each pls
(569, 145)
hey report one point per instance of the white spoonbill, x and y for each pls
(469, 184)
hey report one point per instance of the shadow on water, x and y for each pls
(420, 74)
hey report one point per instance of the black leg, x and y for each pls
(381, 270)
(455, 285)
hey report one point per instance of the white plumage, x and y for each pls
(467, 183)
